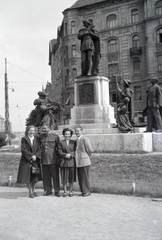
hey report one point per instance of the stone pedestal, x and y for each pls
(92, 102)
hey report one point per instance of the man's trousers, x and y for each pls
(51, 172)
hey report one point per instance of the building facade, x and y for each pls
(131, 47)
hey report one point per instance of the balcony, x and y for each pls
(135, 51)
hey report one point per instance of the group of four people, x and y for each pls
(46, 157)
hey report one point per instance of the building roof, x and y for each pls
(81, 3)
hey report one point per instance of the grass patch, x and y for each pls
(110, 173)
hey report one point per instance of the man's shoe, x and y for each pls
(158, 131)
(86, 194)
(47, 193)
(57, 194)
(31, 195)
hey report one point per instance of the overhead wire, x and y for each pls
(27, 71)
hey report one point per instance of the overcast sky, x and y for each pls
(27, 26)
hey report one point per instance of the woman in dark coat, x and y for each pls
(30, 149)
(66, 151)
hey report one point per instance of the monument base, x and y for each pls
(92, 102)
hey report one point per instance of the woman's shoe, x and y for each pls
(35, 194)
(70, 194)
(64, 194)
(31, 195)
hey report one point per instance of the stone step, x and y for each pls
(97, 131)
(85, 126)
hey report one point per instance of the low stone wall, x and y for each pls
(138, 174)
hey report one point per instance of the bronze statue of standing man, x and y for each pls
(90, 49)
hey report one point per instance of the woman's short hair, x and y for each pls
(28, 128)
(67, 130)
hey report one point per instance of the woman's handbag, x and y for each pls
(35, 170)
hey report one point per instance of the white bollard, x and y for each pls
(133, 187)
(9, 181)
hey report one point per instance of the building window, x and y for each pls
(65, 28)
(72, 27)
(65, 81)
(134, 15)
(137, 93)
(136, 65)
(159, 58)
(111, 21)
(67, 75)
(112, 46)
(158, 8)
(113, 97)
(159, 35)
(135, 42)
(113, 69)
(74, 73)
(66, 52)
(73, 51)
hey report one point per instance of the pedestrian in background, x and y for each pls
(50, 159)
(83, 153)
(30, 157)
(66, 151)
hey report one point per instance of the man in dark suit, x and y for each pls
(154, 102)
(83, 153)
(49, 159)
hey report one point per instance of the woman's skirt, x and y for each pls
(68, 175)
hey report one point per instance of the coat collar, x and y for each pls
(28, 140)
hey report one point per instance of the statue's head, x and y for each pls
(126, 82)
(86, 23)
(42, 94)
(154, 80)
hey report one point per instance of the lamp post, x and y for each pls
(7, 120)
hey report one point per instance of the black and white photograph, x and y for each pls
(81, 120)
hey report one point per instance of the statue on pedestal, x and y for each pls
(43, 114)
(90, 49)
(124, 107)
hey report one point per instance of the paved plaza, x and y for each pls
(98, 217)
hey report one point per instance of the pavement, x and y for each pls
(97, 217)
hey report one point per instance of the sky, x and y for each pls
(27, 26)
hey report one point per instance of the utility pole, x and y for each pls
(7, 120)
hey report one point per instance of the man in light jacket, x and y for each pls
(83, 153)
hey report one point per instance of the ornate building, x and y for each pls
(131, 47)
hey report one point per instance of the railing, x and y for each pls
(135, 51)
